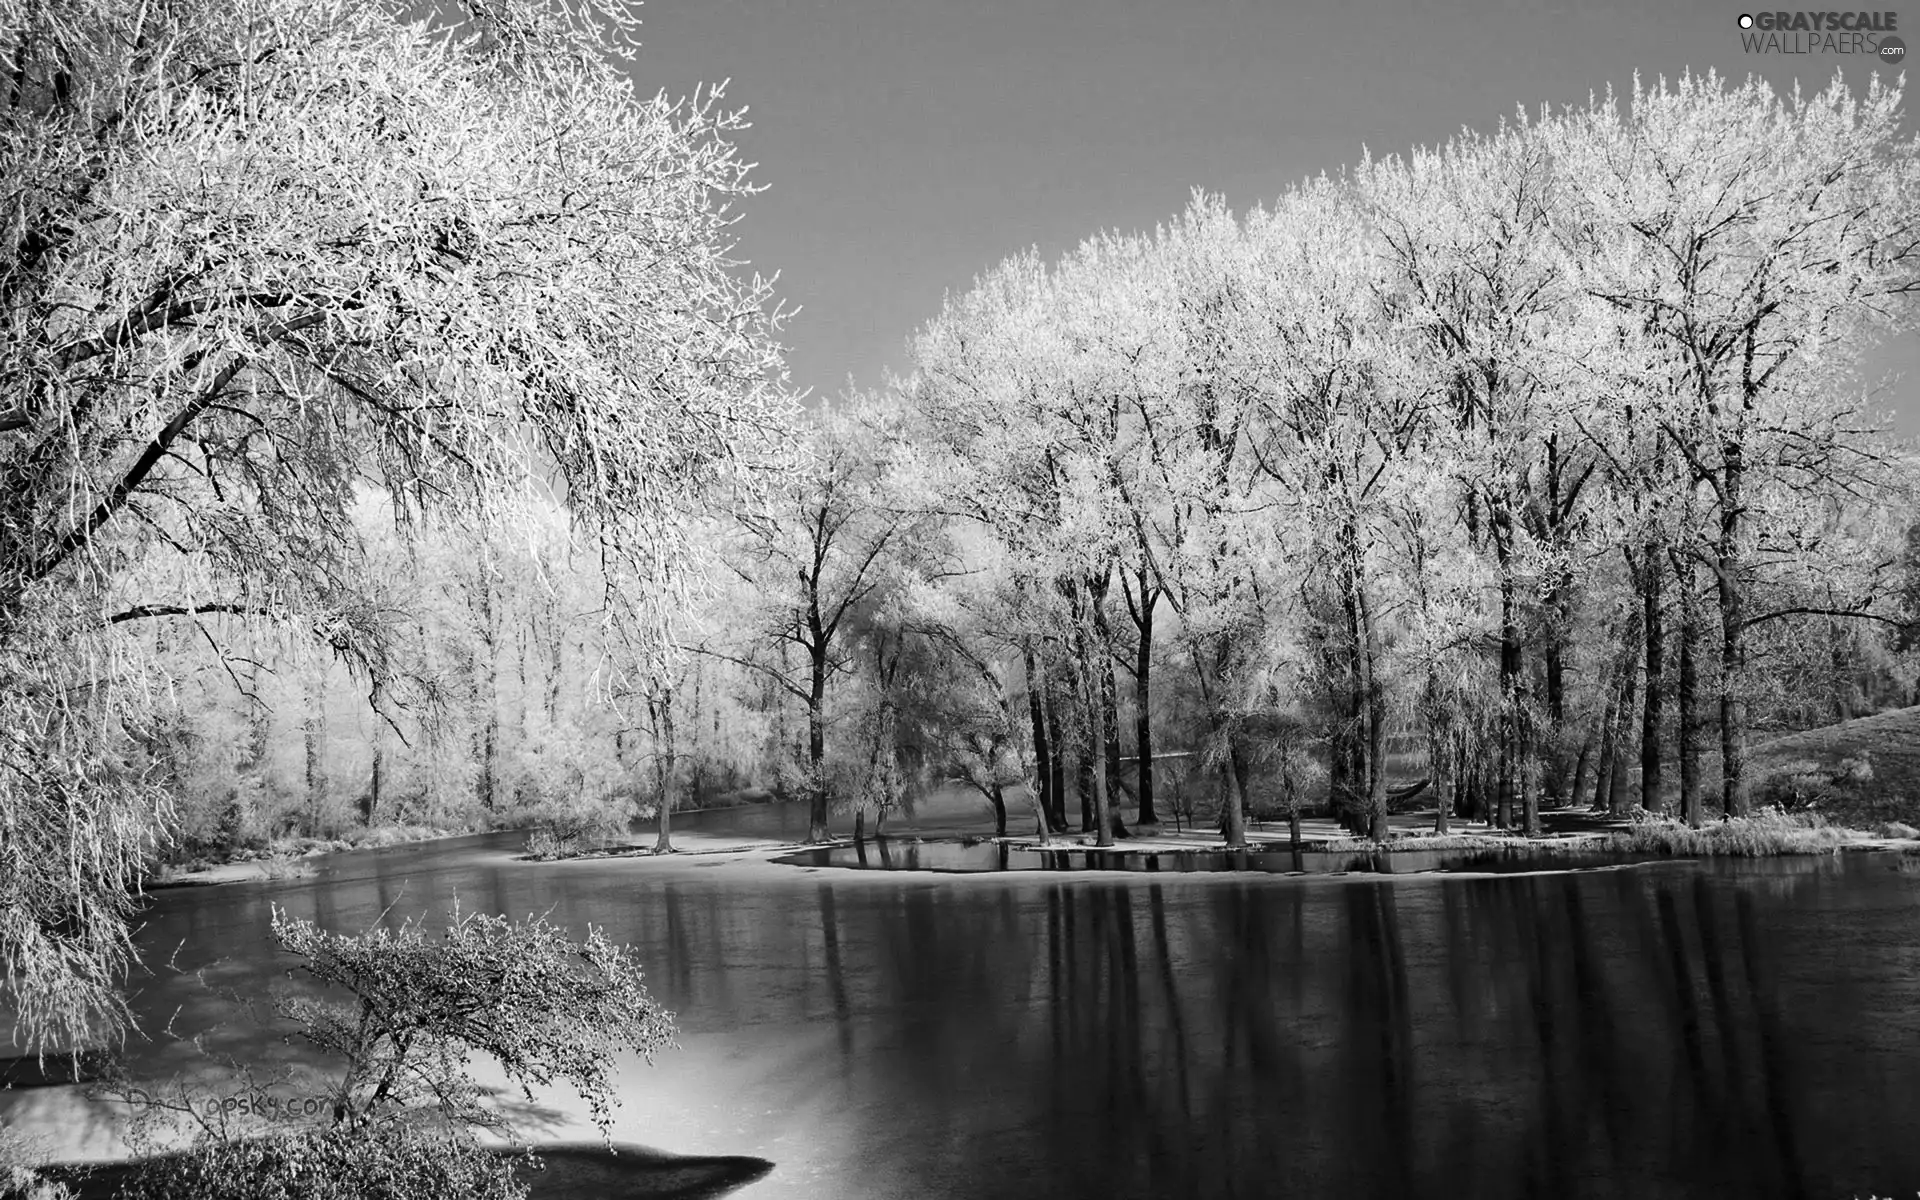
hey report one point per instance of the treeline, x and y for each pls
(1537, 466)
(496, 704)
(1546, 451)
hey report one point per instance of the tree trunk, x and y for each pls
(554, 678)
(1041, 818)
(1733, 616)
(490, 762)
(1110, 731)
(1083, 772)
(1340, 769)
(1603, 766)
(314, 733)
(1374, 699)
(1057, 781)
(1143, 711)
(1359, 809)
(1554, 655)
(1619, 792)
(1237, 761)
(1462, 777)
(1526, 782)
(668, 759)
(1101, 814)
(1582, 768)
(1688, 698)
(1653, 795)
(1029, 768)
(1529, 767)
(1235, 805)
(1109, 691)
(1233, 816)
(817, 742)
(1042, 745)
(1512, 753)
(1439, 764)
(484, 703)
(377, 784)
(998, 799)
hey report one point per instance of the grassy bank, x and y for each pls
(1862, 774)
(1764, 833)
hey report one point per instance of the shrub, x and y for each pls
(1798, 786)
(545, 844)
(1897, 829)
(23, 1183)
(18, 1180)
(381, 836)
(561, 828)
(390, 1161)
(280, 866)
(543, 1006)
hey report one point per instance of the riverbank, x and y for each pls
(285, 858)
(1762, 834)
(1570, 835)
(289, 857)
(1191, 856)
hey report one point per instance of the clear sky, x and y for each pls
(909, 144)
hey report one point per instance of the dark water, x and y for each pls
(956, 857)
(1732, 1029)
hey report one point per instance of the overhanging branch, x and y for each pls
(142, 611)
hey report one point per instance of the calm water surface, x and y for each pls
(1737, 1029)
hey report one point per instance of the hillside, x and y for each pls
(1860, 773)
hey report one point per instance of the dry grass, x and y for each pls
(18, 1176)
(1452, 841)
(1765, 833)
(279, 866)
(378, 837)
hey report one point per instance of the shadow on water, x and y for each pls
(972, 857)
(568, 1171)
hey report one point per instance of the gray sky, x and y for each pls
(909, 144)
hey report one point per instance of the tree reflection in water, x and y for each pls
(1740, 1029)
(1630, 1033)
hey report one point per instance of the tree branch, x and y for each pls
(156, 450)
(143, 611)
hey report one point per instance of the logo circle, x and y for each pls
(1746, 20)
(1893, 51)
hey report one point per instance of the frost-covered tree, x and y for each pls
(260, 259)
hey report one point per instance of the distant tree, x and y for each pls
(808, 561)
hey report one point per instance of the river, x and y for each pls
(1737, 1028)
